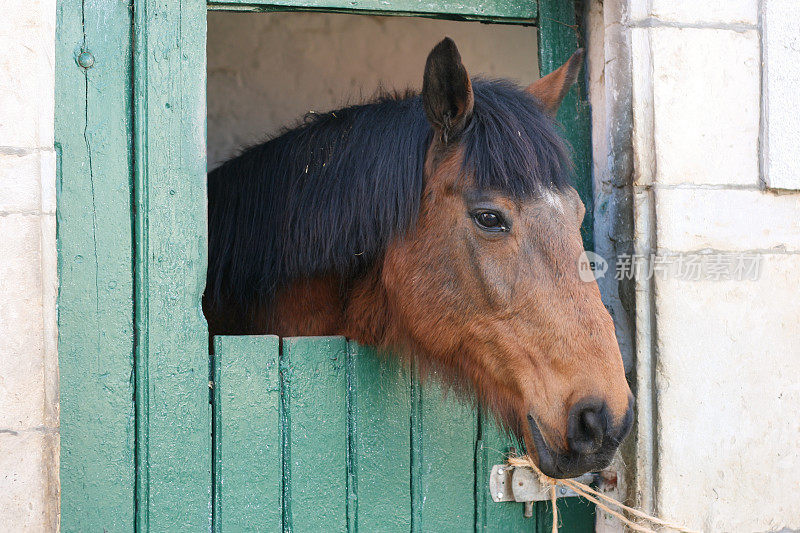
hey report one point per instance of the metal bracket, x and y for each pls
(510, 484)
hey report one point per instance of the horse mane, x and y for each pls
(328, 196)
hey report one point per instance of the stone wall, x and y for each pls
(28, 271)
(713, 87)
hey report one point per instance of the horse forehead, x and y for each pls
(553, 200)
(551, 205)
(551, 224)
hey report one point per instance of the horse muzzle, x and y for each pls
(592, 440)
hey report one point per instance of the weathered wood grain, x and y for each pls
(315, 407)
(95, 306)
(379, 408)
(493, 448)
(489, 10)
(247, 436)
(173, 410)
(446, 467)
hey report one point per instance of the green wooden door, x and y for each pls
(321, 434)
(133, 349)
(344, 439)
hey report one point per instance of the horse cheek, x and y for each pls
(495, 272)
(421, 289)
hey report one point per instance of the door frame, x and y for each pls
(131, 232)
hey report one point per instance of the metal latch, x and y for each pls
(510, 484)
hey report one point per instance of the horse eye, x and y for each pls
(489, 220)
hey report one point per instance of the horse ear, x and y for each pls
(446, 90)
(550, 90)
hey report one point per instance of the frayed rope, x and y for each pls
(594, 496)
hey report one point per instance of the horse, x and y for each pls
(440, 225)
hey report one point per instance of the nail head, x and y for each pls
(86, 60)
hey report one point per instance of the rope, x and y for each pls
(592, 495)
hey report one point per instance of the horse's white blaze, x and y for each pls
(553, 200)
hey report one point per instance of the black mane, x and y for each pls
(328, 196)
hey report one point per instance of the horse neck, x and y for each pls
(368, 317)
(356, 309)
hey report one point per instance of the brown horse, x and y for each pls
(442, 226)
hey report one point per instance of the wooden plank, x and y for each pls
(173, 409)
(247, 436)
(379, 407)
(315, 454)
(495, 10)
(95, 307)
(446, 467)
(493, 449)
(575, 515)
(558, 39)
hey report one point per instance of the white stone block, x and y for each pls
(706, 11)
(20, 182)
(642, 104)
(706, 93)
(47, 174)
(728, 397)
(22, 380)
(694, 219)
(781, 150)
(27, 83)
(50, 319)
(28, 381)
(28, 481)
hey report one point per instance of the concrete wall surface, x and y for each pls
(265, 71)
(28, 275)
(722, 353)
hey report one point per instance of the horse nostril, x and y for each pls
(592, 426)
(587, 427)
